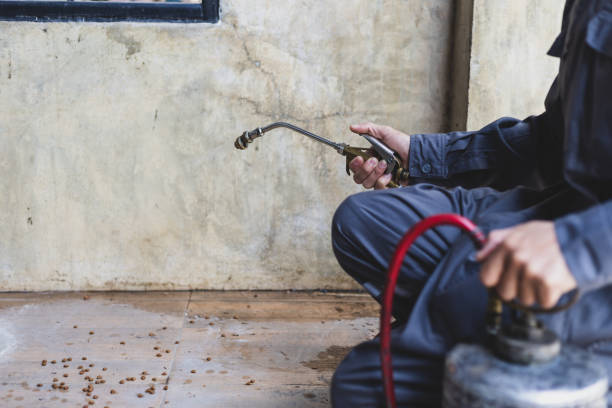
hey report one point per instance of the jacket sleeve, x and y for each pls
(503, 154)
(585, 239)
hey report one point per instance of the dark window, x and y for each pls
(188, 11)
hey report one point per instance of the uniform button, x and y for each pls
(426, 168)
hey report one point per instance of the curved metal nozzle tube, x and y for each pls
(242, 142)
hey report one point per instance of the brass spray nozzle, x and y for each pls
(242, 142)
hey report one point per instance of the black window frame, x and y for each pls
(108, 11)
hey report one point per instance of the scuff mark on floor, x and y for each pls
(329, 359)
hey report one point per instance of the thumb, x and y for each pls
(396, 140)
(369, 128)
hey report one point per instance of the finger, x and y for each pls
(364, 171)
(356, 163)
(547, 298)
(493, 240)
(492, 267)
(378, 171)
(532, 276)
(507, 286)
(565, 281)
(527, 289)
(382, 182)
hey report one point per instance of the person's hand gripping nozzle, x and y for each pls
(379, 150)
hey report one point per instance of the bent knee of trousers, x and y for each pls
(349, 229)
(365, 230)
(344, 223)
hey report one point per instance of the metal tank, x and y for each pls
(476, 378)
(523, 365)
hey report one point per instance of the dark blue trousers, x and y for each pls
(439, 300)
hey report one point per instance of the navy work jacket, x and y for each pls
(571, 143)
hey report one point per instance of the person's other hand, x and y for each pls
(525, 262)
(371, 172)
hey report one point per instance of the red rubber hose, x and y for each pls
(396, 262)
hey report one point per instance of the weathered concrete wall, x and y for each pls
(116, 140)
(510, 72)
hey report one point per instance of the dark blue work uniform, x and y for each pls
(555, 166)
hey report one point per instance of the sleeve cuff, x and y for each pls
(426, 158)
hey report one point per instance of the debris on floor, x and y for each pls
(176, 349)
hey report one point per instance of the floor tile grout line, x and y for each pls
(180, 336)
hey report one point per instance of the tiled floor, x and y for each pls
(211, 349)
